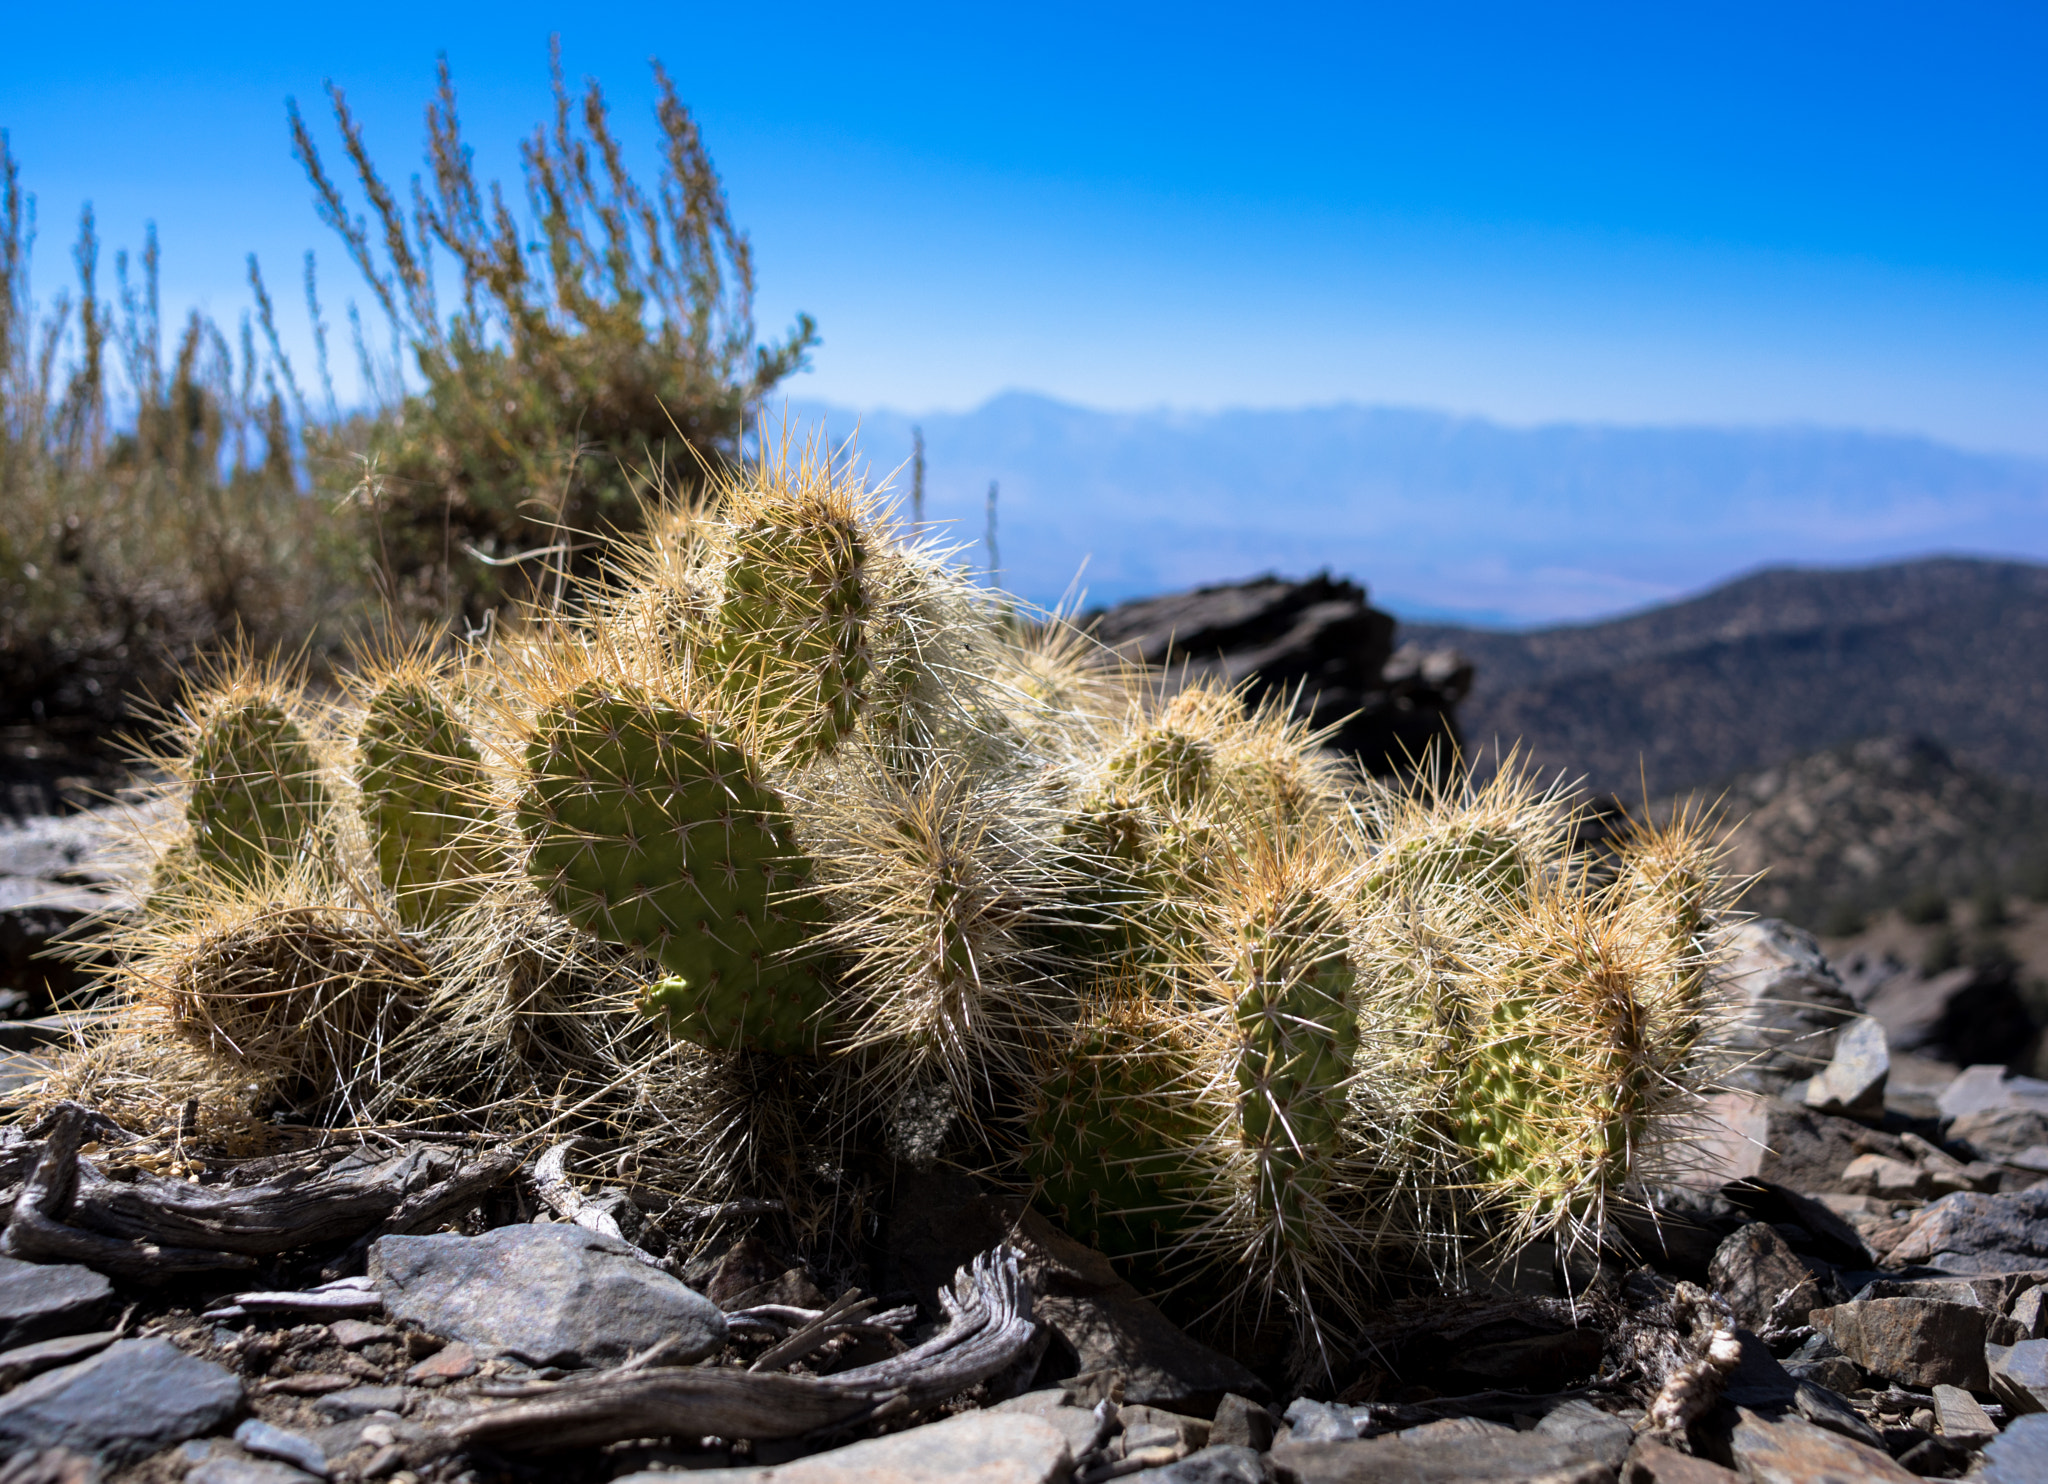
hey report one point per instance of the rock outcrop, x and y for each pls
(1317, 646)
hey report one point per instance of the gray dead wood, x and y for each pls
(988, 1321)
(300, 1208)
(37, 1229)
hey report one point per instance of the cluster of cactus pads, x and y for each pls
(785, 834)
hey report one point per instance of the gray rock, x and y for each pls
(1480, 1456)
(1598, 1434)
(2019, 1375)
(1758, 1380)
(1825, 1408)
(1973, 1233)
(1889, 1179)
(50, 1466)
(361, 1401)
(1988, 1088)
(1837, 1373)
(985, 1447)
(1220, 1463)
(1960, 1416)
(247, 1471)
(1151, 1427)
(2019, 1455)
(1973, 1013)
(1315, 647)
(1791, 1450)
(2000, 1133)
(1852, 1083)
(1753, 1268)
(553, 1295)
(1789, 1005)
(1311, 1421)
(1748, 1136)
(1651, 1462)
(2030, 1313)
(24, 1361)
(266, 1441)
(132, 1399)
(1076, 1424)
(1241, 1422)
(1914, 1341)
(42, 1301)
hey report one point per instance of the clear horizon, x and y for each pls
(1818, 214)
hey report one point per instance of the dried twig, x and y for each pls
(38, 1231)
(985, 1330)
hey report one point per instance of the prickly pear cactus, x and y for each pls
(1116, 1131)
(650, 831)
(256, 790)
(790, 645)
(1292, 985)
(423, 801)
(1579, 1058)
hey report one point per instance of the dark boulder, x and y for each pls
(1318, 645)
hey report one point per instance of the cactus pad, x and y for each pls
(256, 789)
(650, 831)
(1115, 1134)
(790, 644)
(422, 798)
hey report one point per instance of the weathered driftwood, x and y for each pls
(149, 1227)
(37, 1230)
(424, 1208)
(552, 1183)
(303, 1208)
(347, 1298)
(987, 1325)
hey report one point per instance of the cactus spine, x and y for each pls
(649, 830)
(256, 790)
(1117, 1127)
(422, 797)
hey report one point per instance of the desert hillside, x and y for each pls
(1774, 666)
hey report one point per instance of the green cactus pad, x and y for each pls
(650, 831)
(1298, 1027)
(790, 647)
(1166, 763)
(1114, 1138)
(1546, 1114)
(422, 799)
(1456, 855)
(256, 790)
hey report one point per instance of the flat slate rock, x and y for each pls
(248, 1471)
(1791, 1450)
(982, 1447)
(1969, 1232)
(1222, 1463)
(1599, 1434)
(1481, 1456)
(550, 1295)
(1652, 1462)
(1917, 1342)
(129, 1401)
(2019, 1455)
(43, 1301)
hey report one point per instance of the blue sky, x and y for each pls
(1710, 213)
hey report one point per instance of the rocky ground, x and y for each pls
(1847, 1279)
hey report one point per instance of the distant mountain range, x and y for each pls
(1774, 666)
(1441, 516)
